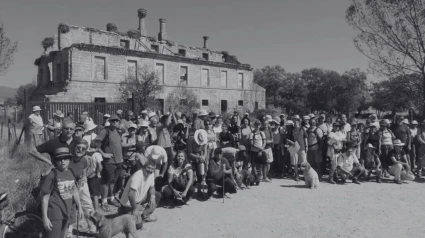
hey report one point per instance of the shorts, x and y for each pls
(257, 158)
(95, 186)
(299, 157)
(110, 173)
(314, 156)
(269, 154)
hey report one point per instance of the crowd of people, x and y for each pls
(136, 162)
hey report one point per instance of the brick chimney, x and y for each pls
(162, 35)
(141, 13)
(206, 41)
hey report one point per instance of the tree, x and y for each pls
(391, 35)
(19, 97)
(270, 78)
(349, 91)
(183, 99)
(7, 51)
(144, 87)
(293, 94)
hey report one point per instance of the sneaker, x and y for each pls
(378, 181)
(356, 181)
(398, 181)
(331, 181)
(150, 218)
(105, 207)
(266, 180)
(114, 203)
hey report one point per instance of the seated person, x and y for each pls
(159, 155)
(348, 165)
(371, 162)
(139, 197)
(399, 166)
(180, 180)
(217, 168)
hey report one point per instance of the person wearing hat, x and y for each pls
(305, 122)
(402, 132)
(413, 151)
(315, 145)
(218, 168)
(128, 143)
(374, 120)
(153, 123)
(54, 125)
(235, 130)
(119, 113)
(164, 132)
(348, 165)
(386, 138)
(278, 134)
(160, 156)
(180, 136)
(36, 125)
(245, 131)
(198, 122)
(257, 140)
(111, 152)
(335, 141)
(144, 116)
(89, 134)
(144, 133)
(300, 137)
(196, 152)
(355, 135)
(282, 120)
(79, 130)
(59, 185)
(370, 161)
(399, 164)
(69, 116)
(345, 126)
(372, 137)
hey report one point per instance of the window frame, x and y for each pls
(207, 102)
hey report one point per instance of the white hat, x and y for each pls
(144, 112)
(180, 121)
(144, 124)
(405, 121)
(107, 115)
(151, 114)
(398, 143)
(246, 114)
(155, 152)
(276, 120)
(200, 137)
(369, 145)
(132, 125)
(306, 117)
(58, 113)
(414, 122)
(203, 113)
(107, 123)
(36, 108)
(119, 112)
(289, 123)
(89, 125)
(312, 115)
(296, 117)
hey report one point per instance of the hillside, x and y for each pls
(6, 92)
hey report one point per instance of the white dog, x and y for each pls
(310, 176)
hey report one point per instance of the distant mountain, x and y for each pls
(6, 92)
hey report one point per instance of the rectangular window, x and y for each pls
(65, 71)
(183, 74)
(256, 105)
(99, 67)
(205, 56)
(132, 69)
(182, 52)
(205, 77)
(99, 100)
(240, 80)
(223, 79)
(204, 102)
(160, 103)
(125, 44)
(159, 68)
(58, 72)
(155, 48)
(240, 103)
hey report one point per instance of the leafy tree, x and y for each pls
(293, 94)
(349, 91)
(7, 50)
(270, 78)
(19, 97)
(183, 99)
(391, 35)
(145, 87)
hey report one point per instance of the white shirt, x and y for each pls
(161, 159)
(336, 138)
(347, 162)
(140, 184)
(36, 124)
(90, 138)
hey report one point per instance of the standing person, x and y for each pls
(217, 168)
(246, 129)
(305, 123)
(267, 149)
(139, 197)
(356, 136)
(315, 144)
(94, 173)
(55, 124)
(300, 137)
(238, 118)
(278, 134)
(374, 120)
(258, 143)
(385, 146)
(212, 140)
(196, 151)
(420, 138)
(372, 137)
(36, 125)
(58, 192)
(152, 129)
(111, 152)
(234, 130)
(413, 133)
(226, 138)
(345, 126)
(79, 130)
(89, 134)
(105, 121)
(164, 135)
(198, 122)
(180, 136)
(282, 120)
(218, 127)
(69, 116)
(402, 132)
(399, 164)
(326, 129)
(335, 142)
(128, 144)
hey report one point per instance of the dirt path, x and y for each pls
(285, 208)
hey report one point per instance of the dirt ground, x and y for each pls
(285, 208)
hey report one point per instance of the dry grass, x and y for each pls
(18, 175)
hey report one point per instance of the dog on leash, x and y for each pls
(108, 228)
(310, 175)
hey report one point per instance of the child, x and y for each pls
(93, 173)
(58, 192)
(371, 161)
(79, 165)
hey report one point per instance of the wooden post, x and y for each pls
(20, 136)
(133, 103)
(9, 132)
(1, 137)
(14, 130)
(16, 114)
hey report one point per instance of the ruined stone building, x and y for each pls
(83, 64)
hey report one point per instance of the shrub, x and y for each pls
(63, 28)
(135, 34)
(111, 27)
(47, 42)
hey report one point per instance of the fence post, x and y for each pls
(133, 103)
(1, 131)
(9, 128)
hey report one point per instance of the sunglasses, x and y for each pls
(68, 128)
(82, 148)
(62, 159)
(115, 120)
(78, 130)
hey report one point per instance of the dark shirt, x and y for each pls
(61, 190)
(399, 156)
(373, 139)
(225, 136)
(215, 174)
(233, 129)
(401, 132)
(50, 146)
(111, 143)
(78, 167)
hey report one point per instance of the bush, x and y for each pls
(111, 27)
(47, 42)
(63, 28)
(135, 34)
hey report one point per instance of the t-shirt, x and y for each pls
(314, 136)
(90, 138)
(111, 144)
(140, 184)
(36, 124)
(78, 167)
(258, 140)
(164, 137)
(399, 156)
(97, 157)
(325, 128)
(401, 132)
(300, 135)
(346, 162)
(161, 159)
(346, 128)
(175, 172)
(336, 138)
(50, 146)
(61, 192)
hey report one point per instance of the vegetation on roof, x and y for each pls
(63, 28)
(47, 42)
(135, 34)
(111, 27)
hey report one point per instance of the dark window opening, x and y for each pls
(240, 102)
(155, 48)
(100, 100)
(65, 71)
(204, 102)
(256, 105)
(58, 72)
(183, 74)
(182, 52)
(223, 106)
(161, 105)
(125, 44)
(205, 56)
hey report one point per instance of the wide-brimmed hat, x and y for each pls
(351, 144)
(405, 121)
(36, 108)
(130, 113)
(156, 152)
(107, 115)
(311, 116)
(276, 120)
(144, 112)
(289, 123)
(151, 114)
(268, 118)
(144, 124)
(383, 123)
(80, 126)
(200, 137)
(296, 117)
(114, 117)
(62, 152)
(132, 125)
(119, 112)
(398, 143)
(203, 113)
(414, 122)
(306, 117)
(89, 125)
(59, 113)
(370, 146)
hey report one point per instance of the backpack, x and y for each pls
(317, 136)
(92, 167)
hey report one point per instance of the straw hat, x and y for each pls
(155, 153)
(36, 108)
(144, 124)
(62, 152)
(268, 118)
(200, 137)
(414, 122)
(132, 125)
(203, 113)
(289, 123)
(405, 121)
(59, 113)
(398, 143)
(107, 115)
(369, 145)
(89, 125)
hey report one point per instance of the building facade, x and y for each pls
(88, 65)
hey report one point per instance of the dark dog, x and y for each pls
(108, 228)
(246, 178)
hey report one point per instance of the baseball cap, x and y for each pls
(114, 117)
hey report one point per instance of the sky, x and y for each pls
(295, 34)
